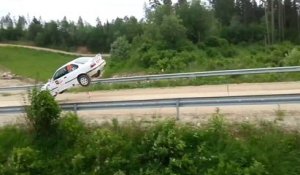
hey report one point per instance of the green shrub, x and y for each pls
(120, 48)
(293, 58)
(233, 168)
(70, 128)
(10, 137)
(213, 53)
(167, 147)
(23, 161)
(216, 42)
(162, 148)
(228, 52)
(103, 153)
(43, 112)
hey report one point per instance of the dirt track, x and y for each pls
(49, 50)
(14, 98)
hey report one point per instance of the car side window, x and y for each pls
(71, 67)
(61, 72)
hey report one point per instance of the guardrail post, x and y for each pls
(177, 109)
(227, 89)
(75, 108)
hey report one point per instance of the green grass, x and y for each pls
(165, 147)
(30, 63)
(274, 77)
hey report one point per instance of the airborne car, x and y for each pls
(77, 72)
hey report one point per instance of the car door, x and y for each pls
(70, 79)
(59, 80)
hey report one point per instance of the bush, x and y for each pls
(292, 58)
(162, 148)
(23, 161)
(216, 42)
(120, 48)
(70, 128)
(43, 112)
(228, 52)
(12, 135)
(103, 152)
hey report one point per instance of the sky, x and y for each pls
(89, 10)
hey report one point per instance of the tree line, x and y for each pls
(167, 25)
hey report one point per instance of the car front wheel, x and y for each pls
(84, 80)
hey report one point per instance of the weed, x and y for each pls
(280, 114)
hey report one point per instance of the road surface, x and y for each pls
(197, 115)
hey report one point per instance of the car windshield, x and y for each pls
(82, 60)
(61, 72)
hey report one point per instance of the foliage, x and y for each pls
(177, 36)
(120, 48)
(216, 42)
(172, 32)
(292, 58)
(235, 20)
(12, 135)
(69, 128)
(23, 161)
(159, 148)
(43, 112)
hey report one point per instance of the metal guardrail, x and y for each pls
(174, 102)
(17, 88)
(201, 74)
(178, 75)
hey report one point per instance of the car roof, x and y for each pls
(75, 61)
(81, 60)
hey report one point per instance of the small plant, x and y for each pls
(279, 114)
(5, 94)
(43, 111)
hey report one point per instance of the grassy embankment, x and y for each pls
(206, 59)
(41, 65)
(30, 63)
(159, 148)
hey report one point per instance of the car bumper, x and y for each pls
(94, 71)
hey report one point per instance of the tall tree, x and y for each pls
(80, 23)
(34, 28)
(21, 23)
(7, 22)
(64, 30)
(224, 10)
(198, 20)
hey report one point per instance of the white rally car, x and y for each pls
(77, 72)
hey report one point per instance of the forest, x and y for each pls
(177, 26)
(173, 37)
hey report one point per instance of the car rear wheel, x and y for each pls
(84, 80)
(97, 74)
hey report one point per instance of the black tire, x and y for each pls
(84, 80)
(97, 74)
(62, 91)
